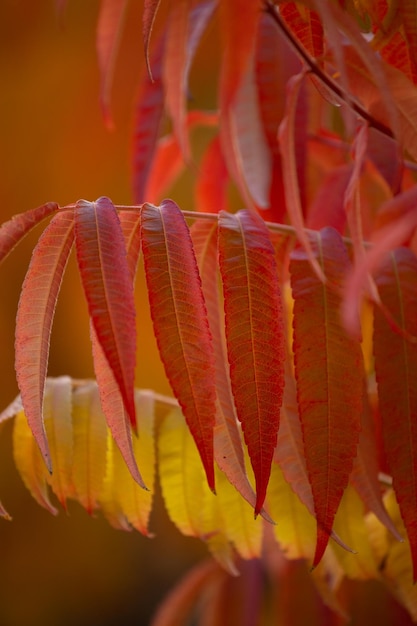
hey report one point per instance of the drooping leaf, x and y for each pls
(29, 463)
(408, 11)
(150, 9)
(180, 321)
(57, 412)
(109, 29)
(90, 444)
(306, 26)
(12, 231)
(228, 451)
(254, 335)
(34, 319)
(396, 368)
(108, 288)
(329, 374)
(109, 501)
(135, 502)
(183, 483)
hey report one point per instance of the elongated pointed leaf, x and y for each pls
(109, 28)
(34, 319)
(57, 413)
(12, 231)
(212, 181)
(227, 439)
(29, 463)
(90, 444)
(396, 370)
(130, 223)
(108, 288)
(150, 10)
(254, 335)
(180, 321)
(329, 374)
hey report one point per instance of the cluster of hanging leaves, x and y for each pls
(287, 330)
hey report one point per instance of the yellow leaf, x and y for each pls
(57, 415)
(30, 463)
(90, 443)
(135, 502)
(350, 525)
(394, 557)
(295, 528)
(109, 502)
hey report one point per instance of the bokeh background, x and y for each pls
(70, 569)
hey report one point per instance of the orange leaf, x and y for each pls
(34, 319)
(150, 10)
(306, 26)
(396, 370)
(254, 335)
(108, 288)
(12, 231)
(329, 374)
(109, 28)
(180, 321)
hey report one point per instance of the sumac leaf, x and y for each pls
(180, 321)
(107, 282)
(396, 371)
(254, 335)
(329, 374)
(34, 319)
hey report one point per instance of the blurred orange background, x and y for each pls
(71, 569)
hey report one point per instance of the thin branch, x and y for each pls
(315, 69)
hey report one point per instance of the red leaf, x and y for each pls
(12, 231)
(396, 371)
(329, 374)
(180, 321)
(306, 26)
(34, 319)
(109, 28)
(147, 121)
(408, 11)
(113, 409)
(328, 207)
(254, 335)
(228, 451)
(108, 288)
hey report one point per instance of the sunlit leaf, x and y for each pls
(34, 319)
(180, 321)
